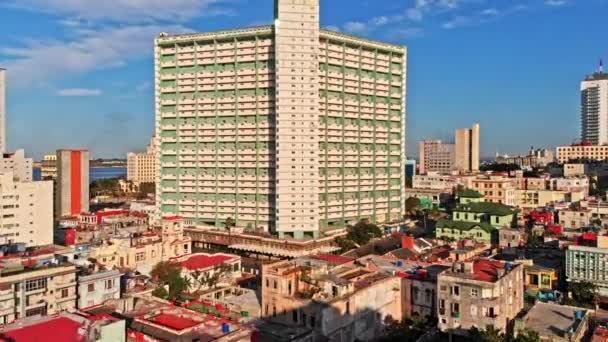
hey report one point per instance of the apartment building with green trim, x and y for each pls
(288, 128)
(476, 220)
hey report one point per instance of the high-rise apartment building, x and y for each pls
(594, 108)
(48, 167)
(72, 192)
(2, 110)
(285, 127)
(141, 167)
(466, 149)
(435, 156)
(26, 211)
(18, 164)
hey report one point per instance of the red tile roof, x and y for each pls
(174, 322)
(334, 259)
(197, 262)
(487, 270)
(60, 329)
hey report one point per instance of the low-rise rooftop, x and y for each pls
(553, 320)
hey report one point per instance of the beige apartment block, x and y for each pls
(26, 211)
(565, 154)
(48, 167)
(2, 110)
(18, 164)
(339, 303)
(466, 149)
(479, 293)
(43, 289)
(435, 156)
(496, 189)
(289, 127)
(531, 199)
(141, 167)
(143, 251)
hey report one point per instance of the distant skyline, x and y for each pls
(80, 73)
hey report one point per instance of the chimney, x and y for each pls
(468, 267)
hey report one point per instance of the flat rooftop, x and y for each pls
(550, 320)
(200, 261)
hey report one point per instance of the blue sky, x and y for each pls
(81, 71)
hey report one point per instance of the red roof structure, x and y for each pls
(61, 329)
(174, 322)
(202, 261)
(487, 270)
(334, 259)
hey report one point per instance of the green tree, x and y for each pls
(407, 330)
(526, 336)
(229, 223)
(210, 279)
(362, 232)
(412, 206)
(584, 292)
(345, 244)
(169, 273)
(145, 189)
(489, 334)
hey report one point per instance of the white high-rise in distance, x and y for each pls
(2, 110)
(594, 108)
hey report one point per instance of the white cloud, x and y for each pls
(356, 27)
(39, 62)
(333, 28)
(414, 14)
(490, 12)
(79, 92)
(124, 10)
(555, 2)
(456, 22)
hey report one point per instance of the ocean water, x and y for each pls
(96, 173)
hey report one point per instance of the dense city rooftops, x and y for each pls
(490, 208)
(484, 270)
(463, 225)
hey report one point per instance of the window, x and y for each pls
(91, 288)
(455, 290)
(109, 284)
(474, 292)
(140, 256)
(65, 293)
(35, 284)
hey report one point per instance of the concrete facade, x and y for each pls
(589, 264)
(320, 122)
(496, 189)
(435, 156)
(37, 291)
(479, 293)
(466, 149)
(2, 110)
(339, 303)
(97, 287)
(141, 167)
(26, 211)
(18, 164)
(594, 109)
(564, 154)
(72, 192)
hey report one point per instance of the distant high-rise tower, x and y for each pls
(466, 151)
(435, 156)
(2, 110)
(72, 192)
(594, 108)
(289, 128)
